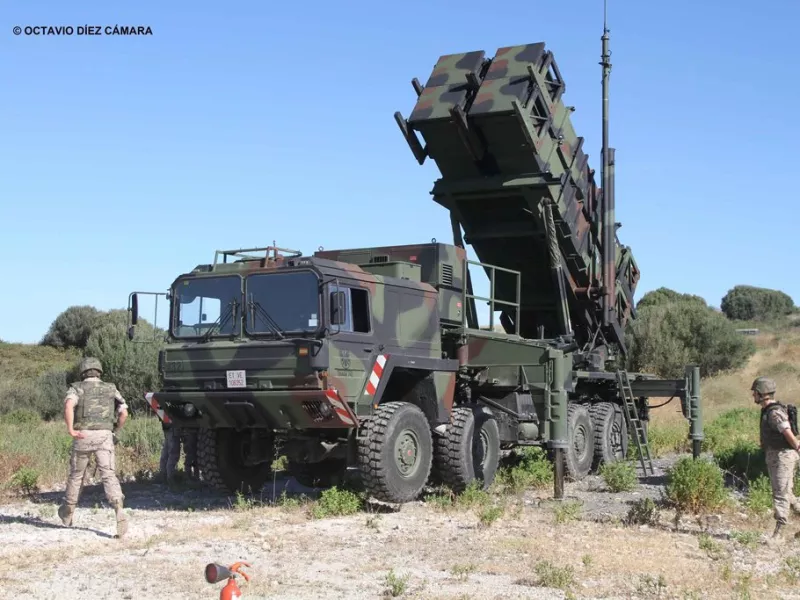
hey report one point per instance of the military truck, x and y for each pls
(374, 357)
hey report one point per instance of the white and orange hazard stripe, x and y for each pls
(342, 411)
(375, 376)
(155, 406)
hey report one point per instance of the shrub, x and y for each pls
(749, 303)
(619, 476)
(72, 328)
(759, 495)
(744, 459)
(695, 485)
(528, 467)
(669, 334)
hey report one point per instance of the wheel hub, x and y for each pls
(579, 441)
(407, 453)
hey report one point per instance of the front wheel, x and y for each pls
(220, 454)
(395, 452)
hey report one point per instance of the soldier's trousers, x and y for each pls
(186, 439)
(166, 448)
(101, 444)
(781, 465)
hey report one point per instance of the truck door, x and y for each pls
(352, 340)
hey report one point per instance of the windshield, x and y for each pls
(207, 302)
(282, 302)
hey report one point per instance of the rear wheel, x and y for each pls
(221, 455)
(579, 453)
(470, 449)
(610, 433)
(395, 452)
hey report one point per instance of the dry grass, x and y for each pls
(436, 554)
(43, 449)
(778, 356)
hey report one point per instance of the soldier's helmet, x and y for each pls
(764, 385)
(89, 364)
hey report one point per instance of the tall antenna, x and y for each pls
(609, 227)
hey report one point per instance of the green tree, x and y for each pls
(132, 366)
(674, 330)
(749, 303)
(72, 328)
(665, 295)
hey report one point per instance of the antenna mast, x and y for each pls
(609, 226)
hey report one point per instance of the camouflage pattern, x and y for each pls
(96, 406)
(774, 421)
(181, 439)
(317, 354)
(101, 444)
(782, 465)
(90, 363)
(95, 403)
(503, 141)
(166, 450)
(764, 386)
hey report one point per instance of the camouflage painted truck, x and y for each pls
(374, 358)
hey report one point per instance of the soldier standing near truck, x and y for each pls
(781, 449)
(90, 407)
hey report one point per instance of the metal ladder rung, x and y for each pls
(632, 417)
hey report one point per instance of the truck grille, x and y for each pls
(318, 410)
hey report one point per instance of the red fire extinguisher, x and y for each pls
(216, 573)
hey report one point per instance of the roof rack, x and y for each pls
(242, 255)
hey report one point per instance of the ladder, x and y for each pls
(632, 419)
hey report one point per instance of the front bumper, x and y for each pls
(284, 409)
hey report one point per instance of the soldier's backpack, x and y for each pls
(792, 410)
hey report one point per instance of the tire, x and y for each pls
(470, 449)
(610, 433)
(579, 454)
(324, 474)
(219, 458)
(395, 424)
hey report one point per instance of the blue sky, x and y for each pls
(126, 161)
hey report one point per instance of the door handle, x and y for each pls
(368, 349)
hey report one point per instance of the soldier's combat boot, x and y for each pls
(122, 519)
(778, 528)
(65, 513)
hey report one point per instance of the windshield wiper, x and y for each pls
(222, 319)
(267, 318)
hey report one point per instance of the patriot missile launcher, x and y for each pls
(374, 358)
(516, 179)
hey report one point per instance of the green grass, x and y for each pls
(36, 450)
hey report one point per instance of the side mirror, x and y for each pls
(131, 332)
(338, 316)
(134, 308)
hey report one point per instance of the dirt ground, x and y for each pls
(419, 550)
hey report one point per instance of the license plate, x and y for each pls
(237, 379)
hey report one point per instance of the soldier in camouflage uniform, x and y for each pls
(185, 438)
(781, 449)
(91, 408)
(166, 448)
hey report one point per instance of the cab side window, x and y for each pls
(349, 308)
